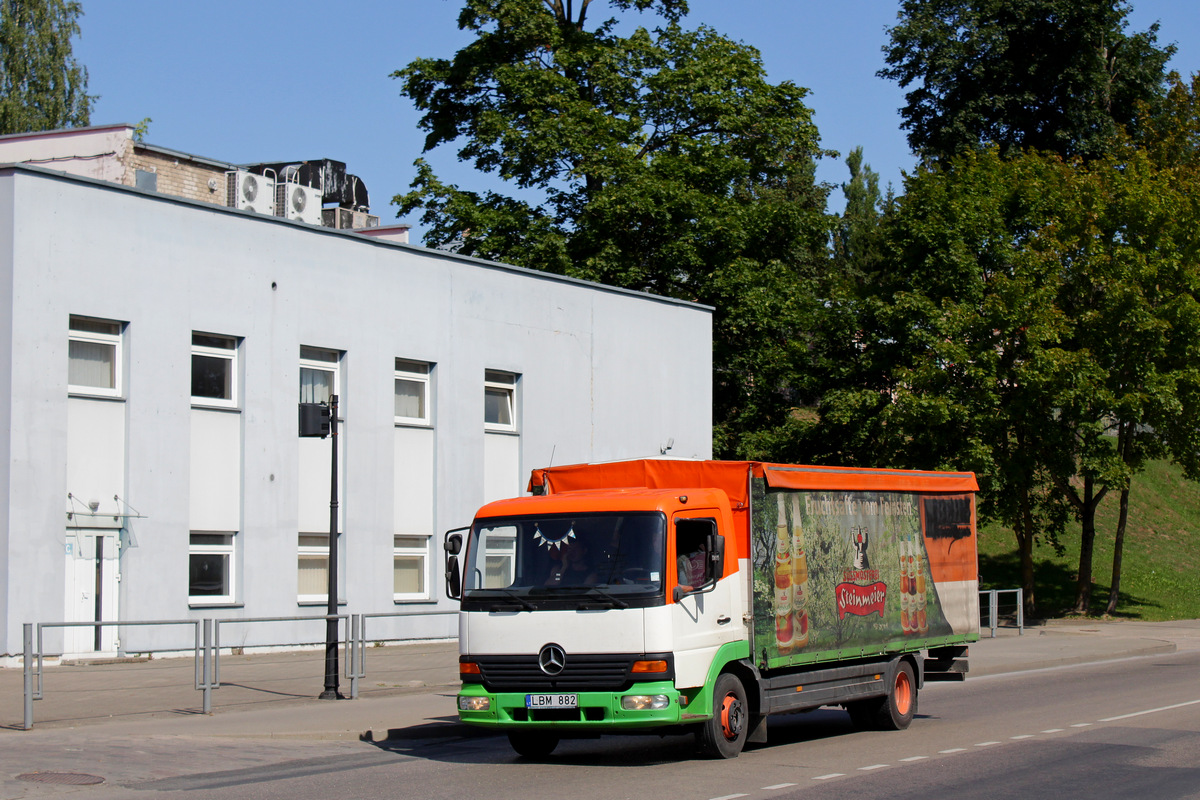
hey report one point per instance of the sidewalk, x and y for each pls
(409, 690)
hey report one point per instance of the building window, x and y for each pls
(412, 392)
(499, 400)
(94, 357)
(210, 567)
(410, 567)
(318, 374)
(214, 370)
(313, 563)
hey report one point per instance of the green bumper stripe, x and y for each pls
(603, 709)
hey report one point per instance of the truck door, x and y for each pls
(701, 622)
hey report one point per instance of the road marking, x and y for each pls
(954, 750)
(777, 786)
(873, 766)
(986, 744)
(730, 796)
(1054, 730)
(915, 758)
(1022, 736)
(1151, 711)
(830, 775)
(1082, 725)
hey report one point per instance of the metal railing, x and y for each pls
(358, 633)
(32, 676)
(993, 608)
(206, 649)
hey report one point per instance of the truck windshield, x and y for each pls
(548, 560)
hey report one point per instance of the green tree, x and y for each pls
(42, 87)
(858, 237)
(1040, 329)
(658, 160)
(962, 355)
(1056, 75)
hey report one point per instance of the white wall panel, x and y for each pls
(315, 467)
(95, 459)
(501, 467)
(413, 492)
(216, 471)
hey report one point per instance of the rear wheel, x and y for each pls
(891, 713)
(900, 705)
(724, 735)
(863, 713)
(533, 744)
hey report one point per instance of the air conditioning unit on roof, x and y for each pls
(298, 202)
(250, 192)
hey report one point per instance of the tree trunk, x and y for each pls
(1025, 551)
(1125, 434)
(1118, 546)
(1087, 517)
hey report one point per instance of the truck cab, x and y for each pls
(596, 608)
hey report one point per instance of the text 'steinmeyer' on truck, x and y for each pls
(659, 596)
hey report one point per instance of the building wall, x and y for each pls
(603, 374)
(179, 176)
(6, 363)
(100, 152)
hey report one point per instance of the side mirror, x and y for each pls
(453, 546)
(716, 556)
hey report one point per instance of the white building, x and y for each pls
(154, 352)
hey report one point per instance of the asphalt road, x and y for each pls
(1121, 729)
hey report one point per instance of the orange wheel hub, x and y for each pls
(733, 717)
(903, 692)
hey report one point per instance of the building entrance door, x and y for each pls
(92, 560)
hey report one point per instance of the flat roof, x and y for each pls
(43, 172)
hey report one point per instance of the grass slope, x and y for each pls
(1160, 573)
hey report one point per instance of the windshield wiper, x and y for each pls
(524, 604)
(615, 601)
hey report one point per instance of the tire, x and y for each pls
(533, 744)
(898, 708)
(724, 734)
(893, 712)
(863, 713)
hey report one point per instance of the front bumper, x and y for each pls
(595, 709)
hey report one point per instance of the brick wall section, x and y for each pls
(179, 177)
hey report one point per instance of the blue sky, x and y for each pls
(271, 80)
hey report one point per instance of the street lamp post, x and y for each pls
(331, 609)
(320, 420)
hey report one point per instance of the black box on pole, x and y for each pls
(314, 419)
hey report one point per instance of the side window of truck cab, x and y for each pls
(692, 556)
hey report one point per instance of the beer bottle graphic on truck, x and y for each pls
(850, 569)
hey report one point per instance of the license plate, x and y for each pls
(551, 701)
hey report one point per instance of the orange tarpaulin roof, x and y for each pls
(852, 479)
(733, 477)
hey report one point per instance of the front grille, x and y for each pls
(583, 672)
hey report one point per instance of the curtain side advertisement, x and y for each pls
(839, 572)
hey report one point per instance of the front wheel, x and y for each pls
(533, 744)
(724, 734)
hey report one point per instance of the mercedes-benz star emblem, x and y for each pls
(552, 659)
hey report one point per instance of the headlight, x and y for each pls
(642, 702)
(472, 703)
